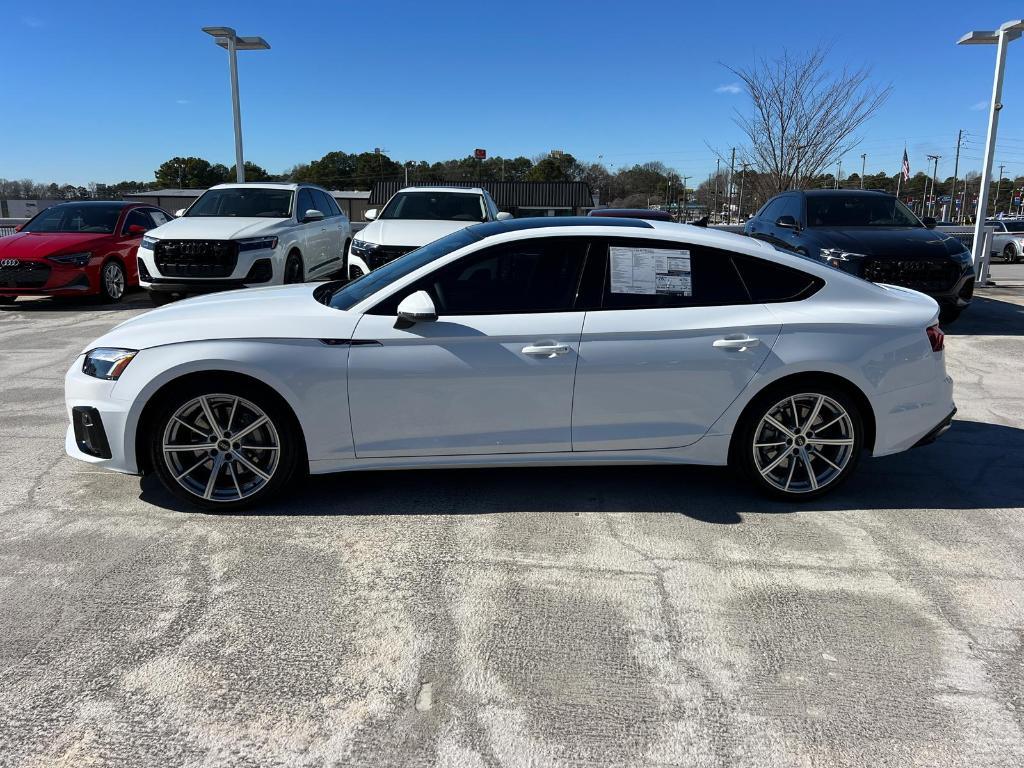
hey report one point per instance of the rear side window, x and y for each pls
(768, 282)
(652, 274)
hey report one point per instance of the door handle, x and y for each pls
(546, 350)
(741, 343)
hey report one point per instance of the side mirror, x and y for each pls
(370, 214)
(312, 215)
(504, 216)
(19, 228)
(417, 308)
(787, 221)
(929, 222)
(179, 213)
(135, 229)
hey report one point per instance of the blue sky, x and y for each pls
(103, 91)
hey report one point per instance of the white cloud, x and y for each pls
(183, 101)
(977, 107)
(729, 88)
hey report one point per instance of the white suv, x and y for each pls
(415, 216)
(243, 235)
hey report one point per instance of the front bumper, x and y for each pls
(44, 278)
(951, 283)
(252, 269)
(95, 397)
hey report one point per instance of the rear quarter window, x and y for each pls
(768, 282)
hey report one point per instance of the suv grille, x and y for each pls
(934, 275)
(25, 274)
(386, 253)
(196, 258)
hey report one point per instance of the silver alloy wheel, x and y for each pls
(221, 447)
(113, 280)
(803, 443)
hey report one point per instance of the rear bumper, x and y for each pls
(911, 416)
(938, 431)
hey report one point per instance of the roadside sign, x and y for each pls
(480, 154)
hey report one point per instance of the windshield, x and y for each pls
(351, 294)
(858, 211)
(99, 219)
(251, 202)
(435, 206)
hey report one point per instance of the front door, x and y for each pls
(493, 374)
(675, 341)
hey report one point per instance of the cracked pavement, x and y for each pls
(544, 617)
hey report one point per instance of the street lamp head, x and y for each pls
(219, 31)
(1012, 26)
(252, 44)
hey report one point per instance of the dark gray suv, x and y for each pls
(873, 235)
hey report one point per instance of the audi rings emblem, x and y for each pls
(8, 262)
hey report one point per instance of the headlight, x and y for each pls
(72, 259)
(149, 243)
(107, 363)
(841, 259)
(363, 248)
(257, 243)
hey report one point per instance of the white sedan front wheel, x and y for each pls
(224, 448)
(801, 443)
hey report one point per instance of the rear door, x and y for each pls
(675, 340)
(494, 372)
(314, 248)
(330, 232)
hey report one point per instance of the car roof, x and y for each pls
(122, 203)
(844, 192)
(487, 229)
(289, 185)
(632, 213)
(464, 190)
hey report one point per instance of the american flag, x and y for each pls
(906, 166)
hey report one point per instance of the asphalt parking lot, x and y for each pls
(556, 617)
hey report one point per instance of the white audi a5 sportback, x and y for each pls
(245, 235)
(524, 342)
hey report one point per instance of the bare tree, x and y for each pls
(804, 118)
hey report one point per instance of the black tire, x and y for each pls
(1010, 254)
(293, 269)
(219, 393)
(113, 282)
(160, 298)
(354, 272)
(835, 463)
(948, 314)
(8, 299)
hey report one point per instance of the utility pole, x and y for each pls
(682, 215)
(956, 172)
(839, 174)
(863, 167)
(718, 171)
(739, 207)
(999, 183)
(931, 208)
(732, 170)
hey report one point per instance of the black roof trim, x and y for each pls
(541, 222)
(856, 192)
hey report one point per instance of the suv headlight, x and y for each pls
(107, 363)
(363, 248)
(841, 259)
(149, 243)
(72, 259)
(257, 243)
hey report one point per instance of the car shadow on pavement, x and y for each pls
(989, 316)
(973, 466)
(137, 300)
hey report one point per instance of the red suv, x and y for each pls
(82, 248)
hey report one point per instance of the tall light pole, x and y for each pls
(1002, 37)
(935, 176)
(232, 43)
(863, 167)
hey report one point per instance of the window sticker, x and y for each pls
(651, 271)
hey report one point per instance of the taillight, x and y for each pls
(936, 338)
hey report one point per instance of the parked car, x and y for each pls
(1008, 239)
(632, 213)
(242, 235)
(541, 341)
(80, 248)
(415, 216)
(873, 235)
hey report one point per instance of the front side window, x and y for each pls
(323, 203)
(526, 276)
(306, 203)
(435, 206)
(1014, 226)
(249, 202)
(71, 217)
(139, 218)
(858, 211)
(159, 217)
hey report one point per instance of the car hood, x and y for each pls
(215, 228)
(276, 312)
(37, 245)
(409, 231)
(898, 242)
